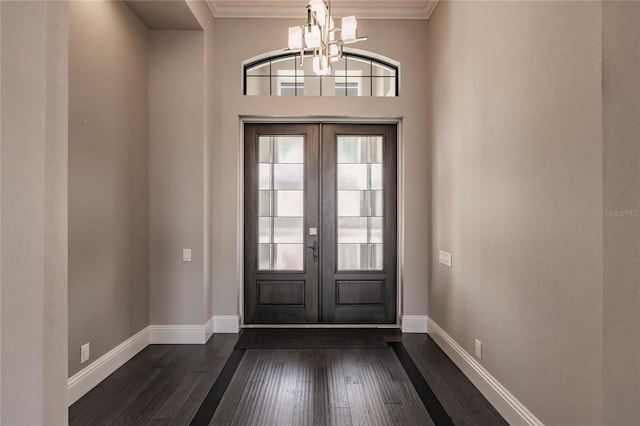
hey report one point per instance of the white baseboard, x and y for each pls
(513, 411)
(177, 334)
(90, 376)
(208, 329)
(414, 323)
(226, 324)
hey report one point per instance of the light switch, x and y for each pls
(313, 231)
(85, 353)
(478, 349)
(445, 258)
(186, 255)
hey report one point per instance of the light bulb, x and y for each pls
(312, 37)
(349, 28)
(321, 65)
(334, 52)
(295, 38)
(319, 9)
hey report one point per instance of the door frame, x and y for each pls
(400, 212)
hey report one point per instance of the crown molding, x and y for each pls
(431, 7)
(363, 9)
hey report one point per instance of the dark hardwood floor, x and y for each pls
(165, 384)
(321, 387)
(460, 398)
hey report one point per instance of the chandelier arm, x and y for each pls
(363, 38)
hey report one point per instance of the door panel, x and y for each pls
(281, 203)
(320, 223)
(359, 212)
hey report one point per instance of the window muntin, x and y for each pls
(354, 75)
(281, 203)
(360, 212)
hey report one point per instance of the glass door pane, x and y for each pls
(281, 203)
(360, 214)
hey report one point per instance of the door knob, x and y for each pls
(316, 250)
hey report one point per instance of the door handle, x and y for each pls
(316, 250)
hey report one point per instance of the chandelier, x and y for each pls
(318, 36)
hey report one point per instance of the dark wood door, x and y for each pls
(281, 204)
(359, 212)
(320, 223)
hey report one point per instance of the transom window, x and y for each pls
(354, 75)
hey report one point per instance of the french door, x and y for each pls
(320, 224)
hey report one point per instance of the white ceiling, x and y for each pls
(363, 9)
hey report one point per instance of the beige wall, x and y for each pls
(138, 171)
(0, 215)
(33, 207)
(176, 170)
(211, 117)
(516, 127)
(108, 177)
(621, 131)
(242, 39)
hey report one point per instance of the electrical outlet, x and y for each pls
(186, 255)
(478, 349)
(85, 353)
(445, 258)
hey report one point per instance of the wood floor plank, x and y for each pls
(247, 406)
(305, 371)
(134, 383)
(178, 397)
(142, 361)
(229, 403)
(485, 419)
(134, 411)
(370, 388)
(302, 413)
(381, 368)
(218, 348)
(341, 416)
(120, 401)
(410, 410)
(402, 407)
(94, 401)
(164, 360)
(266, 403)
(402, 402)
(407, 415)
(358, 405)
(224, 343)
(287, 392)
(200, 391)
(303, 406)
(321, 413)
(349, 366)
(283, 401)
(251, 399)
(163, 422)
(337, 391)
(147, 414)
(259, 371)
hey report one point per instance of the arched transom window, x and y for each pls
(354, 75)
